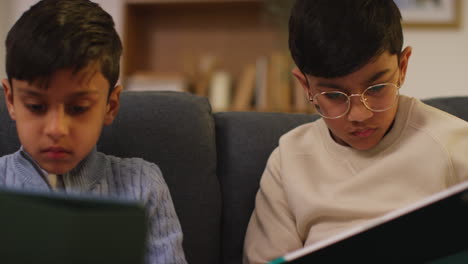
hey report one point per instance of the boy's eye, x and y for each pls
(335, 96)
(376, 90)
(77, 109)
(37, 108)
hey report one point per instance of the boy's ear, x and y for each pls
(404, 59)
(8, 93)
(113, 105)
(302, 80)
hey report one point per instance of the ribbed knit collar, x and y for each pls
(80, 179)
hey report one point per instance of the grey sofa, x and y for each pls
(211, 162)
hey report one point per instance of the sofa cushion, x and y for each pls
(9, 141)
(244, 141)
(455, 105)
(175, 131)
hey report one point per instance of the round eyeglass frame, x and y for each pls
(362, 99)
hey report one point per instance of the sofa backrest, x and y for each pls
(194, 148)
(175, 131)
(244, 142)
(455, 105)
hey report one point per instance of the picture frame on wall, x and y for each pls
(430, 13)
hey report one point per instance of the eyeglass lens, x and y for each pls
(377, 98)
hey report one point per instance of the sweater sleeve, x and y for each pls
(458, 151)
(165, 234)
(272, 230)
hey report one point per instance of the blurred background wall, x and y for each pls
(438, 67)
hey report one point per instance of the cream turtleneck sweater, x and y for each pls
(313, 188)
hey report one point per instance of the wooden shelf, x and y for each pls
(162, 36)
(171, 37)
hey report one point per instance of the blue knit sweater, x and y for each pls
(104, 175)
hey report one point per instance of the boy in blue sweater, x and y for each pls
(62, 63)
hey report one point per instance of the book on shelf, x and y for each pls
(207, 66)
(300, 102)
(148, 81)
(245, 89)
(261, 84)
(273, 90)
(433, 230)
(220, 91)
(279, 82)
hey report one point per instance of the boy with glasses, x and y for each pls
(373, 150)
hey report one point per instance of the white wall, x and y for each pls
(438, 66)
(4, 26)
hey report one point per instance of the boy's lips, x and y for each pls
(56, 152)
(363, 133)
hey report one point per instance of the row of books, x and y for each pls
(265, 84)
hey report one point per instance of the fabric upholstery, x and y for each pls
(175, 131)
(9, 142)
(456, 105)
(244, 143)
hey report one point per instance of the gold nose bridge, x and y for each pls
(360, 97)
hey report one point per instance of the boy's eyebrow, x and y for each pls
(329, 85)
(372, 79)
(83, 93)
(377, 76)
(29, 92)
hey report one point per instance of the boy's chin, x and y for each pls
(58, 169)
(362, 146)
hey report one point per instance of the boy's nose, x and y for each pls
(358, 111)
(56, 124)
